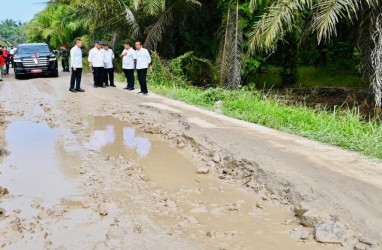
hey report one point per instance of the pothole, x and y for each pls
(201, 207)
(33, 171)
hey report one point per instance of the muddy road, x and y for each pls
(110, 169)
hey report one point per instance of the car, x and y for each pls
(34, 59)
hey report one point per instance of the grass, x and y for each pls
(309, 76)
(340, 128)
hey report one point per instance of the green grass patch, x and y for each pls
(340, 128)
(309, 76)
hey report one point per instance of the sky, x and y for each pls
(23, 10)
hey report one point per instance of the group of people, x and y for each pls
(100, 61)
(6, 59)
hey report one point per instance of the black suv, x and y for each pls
(35, 59)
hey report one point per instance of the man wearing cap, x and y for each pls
(97, 62)
(128, 65)
(109, 67)
(142, 64)
(76, 65)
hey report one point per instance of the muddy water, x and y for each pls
(33, 171)
(218, 215)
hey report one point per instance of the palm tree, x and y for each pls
(323, 16)
(9, 23)
(229, 55)
(112, 17)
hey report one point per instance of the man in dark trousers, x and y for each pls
(128, 65)
(97, 62)
(142, 64)
(76, 65)
(109, 67)
(64, 53)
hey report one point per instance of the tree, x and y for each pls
(229, 55)
(323, 17)
(11, 32)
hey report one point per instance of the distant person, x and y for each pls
(97, 62)
(64, 53)
(142, 64)
(109, 67)
(2, 64)
(128, 64)
(76, 65)
(7, 60)
(11, 55)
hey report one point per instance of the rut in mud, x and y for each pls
(111, 170)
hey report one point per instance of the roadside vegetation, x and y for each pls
(11, 32)
(346, 128)
(245, 53)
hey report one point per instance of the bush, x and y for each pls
(198, 71)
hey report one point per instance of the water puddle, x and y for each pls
(219, 215)
(33, 172)
(114, 137)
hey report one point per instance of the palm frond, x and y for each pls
(157, 31)
(166, 20)
(273, 24)
(329, 12)
(132, 22)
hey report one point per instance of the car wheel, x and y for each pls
(55, 74)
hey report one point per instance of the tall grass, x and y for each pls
(343, 128)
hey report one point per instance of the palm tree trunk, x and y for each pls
(376, 59)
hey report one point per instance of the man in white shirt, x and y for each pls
(109, 67)
(12, 53)
(142, 64)
(128, 64)
(76, 65)
(97, 62)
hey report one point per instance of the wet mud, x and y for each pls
(115, 171)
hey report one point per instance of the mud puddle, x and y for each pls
(201, 207)
(33, 172)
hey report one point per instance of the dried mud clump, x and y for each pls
(3, 152)
(3, 191)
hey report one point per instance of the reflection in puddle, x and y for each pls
(219, 209)
(33, 168)
(115, 137)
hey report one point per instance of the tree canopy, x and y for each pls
(11, 32)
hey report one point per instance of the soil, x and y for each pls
(110, 169)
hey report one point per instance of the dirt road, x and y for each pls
(110, 169)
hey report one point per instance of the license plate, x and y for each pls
(36, 71)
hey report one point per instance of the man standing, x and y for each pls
(65, 58)
(2, 63)
(97, 61)
(76, 65)
(142, 64)
(109, 67)
(128, 64)
(11, 54)
(6, 58)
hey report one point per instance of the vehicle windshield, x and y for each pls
(32, 49)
